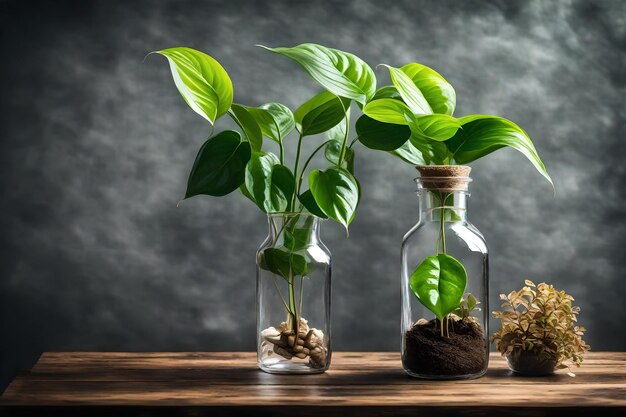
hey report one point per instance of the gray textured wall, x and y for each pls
(96, 147)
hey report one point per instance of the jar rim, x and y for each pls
(293, 214)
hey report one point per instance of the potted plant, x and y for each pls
(293, 265)
(444, 257)
(538, 331)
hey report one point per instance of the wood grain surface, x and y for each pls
(363, 384)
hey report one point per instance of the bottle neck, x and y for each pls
(437, 205)
(293, 229)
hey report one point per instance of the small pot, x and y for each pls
(528, 362)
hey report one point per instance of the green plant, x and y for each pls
(231, 160)
(413, 120)
(541, 319)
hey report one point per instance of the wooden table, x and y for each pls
(358, 384)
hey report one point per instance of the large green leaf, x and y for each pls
(388, 110)
(439, 127)
(201, 80)
(275, 119)
(220, 165)
(270, 184)
(341, 73)
(336, 192)
(249, 125)
(436, 90)
(321, 113)
(409, 92)
(381, 136)
(483, 134)
(410, 154)
(439, 283)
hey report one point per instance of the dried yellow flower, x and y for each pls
(542, 319)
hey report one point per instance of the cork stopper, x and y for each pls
(445, 178)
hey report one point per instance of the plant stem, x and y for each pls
(281, 295)
(342, 155)
(292, 304)
(295, 169)
(442, 221)
(306, 164)
(282, 151)
(301, 293)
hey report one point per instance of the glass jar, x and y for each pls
(445, 285)
(293, 296)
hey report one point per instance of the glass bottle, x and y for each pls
(454, 344)
(293, 296)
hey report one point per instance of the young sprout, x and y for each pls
(466, 306)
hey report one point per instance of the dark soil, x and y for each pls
(464, 352)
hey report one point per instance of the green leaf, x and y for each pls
(336, 192)
(471, 302)
(201, 80)
(433, 152)
(438, 127)
(271, 184)
(438, 92)
(309, 203)
(284, 262)
(281, 188)
(410, 154)
(258, 176)
(341, 73)
(387, 91)
(483, 134)
(322, 112)
(388, 110)
(409, 92)
(246, 193)
(332, 150)
(439, 283)
(275, 119)
(250, 127)
(381, 136)
(220, 165)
